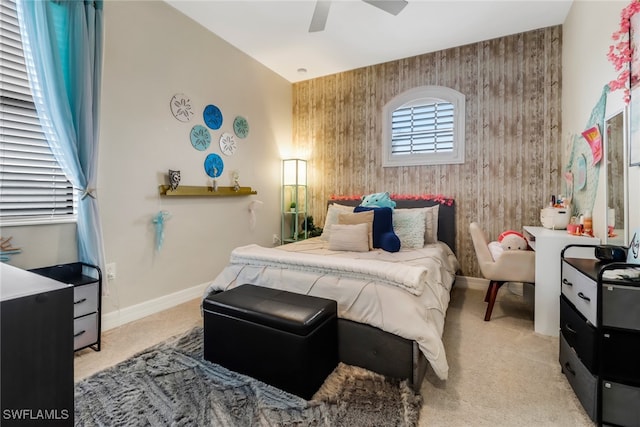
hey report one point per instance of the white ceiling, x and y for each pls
(275, 33)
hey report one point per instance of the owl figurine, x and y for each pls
(174, 179)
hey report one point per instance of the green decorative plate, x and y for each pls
(241, 127)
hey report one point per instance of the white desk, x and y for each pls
(548, 245)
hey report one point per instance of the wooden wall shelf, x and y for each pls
(190, 190)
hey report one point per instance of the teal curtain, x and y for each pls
(62, 41)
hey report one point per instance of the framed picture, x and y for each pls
(633, 254)
(634, 104)
(568, 180)
(634, 127)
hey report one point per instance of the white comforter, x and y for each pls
(410, 278)
(405, 293)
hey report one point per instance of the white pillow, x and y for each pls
(496, 250)
(333, 211)
(409, 225)
(349, 237)
(359, 218)
(430, 223)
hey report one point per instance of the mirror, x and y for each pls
(615, 137)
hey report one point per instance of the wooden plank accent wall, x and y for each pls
(513, 132)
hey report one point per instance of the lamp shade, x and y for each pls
(294, 172)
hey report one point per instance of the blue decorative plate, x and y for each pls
(241, 127)
(212, 116)
(213, 165)
(200, 137)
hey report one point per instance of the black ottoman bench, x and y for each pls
(282, 338)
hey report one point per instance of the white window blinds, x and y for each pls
(423, 128)
(32, 185)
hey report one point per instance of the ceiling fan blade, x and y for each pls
(393, 7)
(319, 18)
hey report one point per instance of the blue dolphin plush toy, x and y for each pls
(378, 200)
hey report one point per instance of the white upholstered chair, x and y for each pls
(511, 266)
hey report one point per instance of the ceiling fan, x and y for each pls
(319, 18)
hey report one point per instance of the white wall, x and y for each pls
(585, 70)
(151, 53)
(42, 245)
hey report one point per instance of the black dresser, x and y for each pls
(87, 290)
(600, 338)
(36, 349)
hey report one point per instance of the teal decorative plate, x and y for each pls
(213, 165)
(200, 137)
(241, 127)
(212, 116)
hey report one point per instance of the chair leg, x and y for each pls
(488, 293)
(492, 292)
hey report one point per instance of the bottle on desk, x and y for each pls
(587, 223)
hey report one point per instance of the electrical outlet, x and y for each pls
(111, 271)
(276, 239)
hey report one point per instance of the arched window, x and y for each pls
(423, 126)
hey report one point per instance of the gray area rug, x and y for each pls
(172, 385)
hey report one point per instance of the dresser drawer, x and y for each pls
(620, 355)
(581, 291)
(85, 299)
(85, 331)
(584, 384)
(621, 306)
(620, 404)
(579, 334)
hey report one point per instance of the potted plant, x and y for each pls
(292, 206)
(312, 229)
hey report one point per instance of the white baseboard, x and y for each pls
(471, 283)
(129, 314)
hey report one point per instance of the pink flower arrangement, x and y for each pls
(435, 197)
(620, 51)
(338, 198)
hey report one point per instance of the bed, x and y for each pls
(391, 306)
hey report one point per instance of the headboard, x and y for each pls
(446, 216)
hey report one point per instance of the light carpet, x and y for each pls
(501, 373)
(171, 384)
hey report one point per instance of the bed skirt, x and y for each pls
(382, 352)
